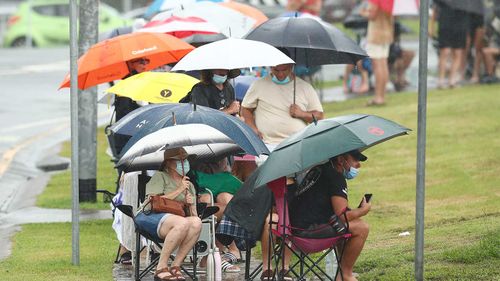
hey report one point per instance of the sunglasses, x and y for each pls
(141, 61)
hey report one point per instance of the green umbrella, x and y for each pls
(325, 139)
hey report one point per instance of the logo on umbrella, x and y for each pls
(166, 93)
(375, 131)
(142, 123)
(138, 52)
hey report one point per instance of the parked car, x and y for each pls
(49, 21)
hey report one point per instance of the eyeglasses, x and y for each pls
(141, 61)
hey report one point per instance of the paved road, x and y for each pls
(34, 115)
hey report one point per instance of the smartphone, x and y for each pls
(368, 197)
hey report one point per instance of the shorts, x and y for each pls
(151, 223)
(377, 51)
(452, 38)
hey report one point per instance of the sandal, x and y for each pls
(228, 267)
(162, 270)
(126, 258)
(176, 271)
(267, 275)
(374, 103)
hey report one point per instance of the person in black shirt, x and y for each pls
(124, 105)
(215, 91)
(327, 194)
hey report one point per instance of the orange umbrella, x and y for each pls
(106, 61)
(247, 10)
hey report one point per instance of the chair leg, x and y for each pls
(117, 258)
(248, 255)
(137, 262)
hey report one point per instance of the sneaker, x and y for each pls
(267, 275)
(285, 275)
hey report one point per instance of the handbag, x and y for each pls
(160, 204)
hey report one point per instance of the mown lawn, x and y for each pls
(462, 217)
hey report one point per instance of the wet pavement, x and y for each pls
(126, 273)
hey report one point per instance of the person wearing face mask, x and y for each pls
(281, 104)
(178, 232)
(215, 91)
(325, 195)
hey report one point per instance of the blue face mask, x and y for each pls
(352, 173)
(219, 79)
(178, 167)
(281, 82)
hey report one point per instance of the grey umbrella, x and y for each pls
(173, 137)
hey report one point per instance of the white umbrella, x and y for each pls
(201, 152)
(173, 137)
(230, 22)
(232, 54)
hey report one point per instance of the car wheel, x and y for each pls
(21, 42)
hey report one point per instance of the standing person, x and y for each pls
(379, 38)
(269, 107)
(124, 105)
(475, 37)
(451, 39)
(215, 91)
(177, 232)
(327, 196)
(275, 109)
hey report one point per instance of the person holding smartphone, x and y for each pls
(324, 194)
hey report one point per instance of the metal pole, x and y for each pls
(75, 208)
(29, 34)
(421, 140)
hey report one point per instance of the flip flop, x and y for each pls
(176, 271)
(165, 278)
(229, 267)
(374, 103)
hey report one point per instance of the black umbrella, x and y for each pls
(199, 39)
(310, 41)
(469, 6)
(355, 20)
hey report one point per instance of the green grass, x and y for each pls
(462, 218)
(43, 252)
(57, 194)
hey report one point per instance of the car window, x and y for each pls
(63, 10)
(46, 10)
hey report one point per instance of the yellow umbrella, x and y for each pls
(155, 87)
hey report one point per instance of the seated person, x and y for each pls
(215, 177)
(177, 232)
(326, 195)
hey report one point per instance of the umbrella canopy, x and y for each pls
(163, 5)
(232, 54)
(202, 39)
(155, 87)
(310, 42)
(398, 7)
(470, 6)
(248, 10)
(151, 118)
(230, 22)
(180, 27)
(199, 153)
(106, 61)
(173, 137)
(241, 85)
(328, 138)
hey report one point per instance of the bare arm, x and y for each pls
(340, 203)
(432, 22)
(306, 116)
(247, 114)
(370, 12)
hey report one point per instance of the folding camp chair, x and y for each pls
(302, 247)
(205, 242)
